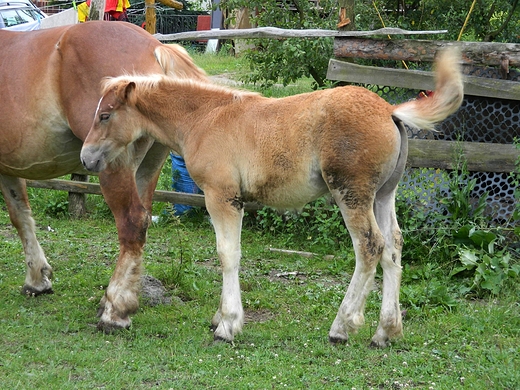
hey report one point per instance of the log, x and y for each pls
(416, 79)
(480, 157)
(474, 53)
(300, 253)
(274, 32)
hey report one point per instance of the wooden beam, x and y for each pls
(474, 53)
(416, 79)
(480, 156)
(279, 33)
(159, 196)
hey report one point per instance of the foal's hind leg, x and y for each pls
(226, 215)
(39, 272)
(368, 246)
(390, 323)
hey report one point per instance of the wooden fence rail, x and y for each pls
(422, 154)
(483, 157)
(280, 33)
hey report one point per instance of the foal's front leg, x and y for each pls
(226, 215)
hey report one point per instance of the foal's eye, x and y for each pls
(104, 116)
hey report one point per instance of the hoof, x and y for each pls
(111, 328)
(337, 341)
(218, 339)
(32, 292)
(377, 344)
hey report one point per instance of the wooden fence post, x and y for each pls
(150, 17)
(97, 10)
(77, 201)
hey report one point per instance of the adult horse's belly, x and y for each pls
(39, 153)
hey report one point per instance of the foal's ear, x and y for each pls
(125, 93)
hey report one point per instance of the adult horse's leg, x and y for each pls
(39, 272)
(368, 247)
(129, 195)
(390, 322)
(121, 296)
(226, 215)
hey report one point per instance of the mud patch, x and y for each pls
(278, 276)
(258, 316)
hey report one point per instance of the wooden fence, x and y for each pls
(427, 153)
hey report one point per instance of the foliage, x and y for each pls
(497, 20)
(489, 268)
(287, 60)
(319, 224)
(54, 204)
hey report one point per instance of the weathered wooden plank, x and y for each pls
(273, 32)
(196, 200)
(475, 53)
(416, 79)
(480, 157)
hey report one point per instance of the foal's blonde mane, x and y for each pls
(152, 81)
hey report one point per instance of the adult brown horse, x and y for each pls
(240, 146)
(50, 87)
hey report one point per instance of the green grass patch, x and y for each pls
(290, 302)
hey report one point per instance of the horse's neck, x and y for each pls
(202, 98)
(189, 105)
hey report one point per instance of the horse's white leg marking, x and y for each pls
(368, 246)
(39, 272)
(121, 295)
(226, 216)
(390, 322)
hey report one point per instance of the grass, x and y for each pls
(51, 342)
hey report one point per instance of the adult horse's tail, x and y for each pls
(424, 113)
(176, 62)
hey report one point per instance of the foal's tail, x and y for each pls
(176, 62)
(424, 113)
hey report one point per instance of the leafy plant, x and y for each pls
(489, 268)
(52, 203)
(286, 60)
(319, 224)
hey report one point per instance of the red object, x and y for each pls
(203, 24)
(425, 94)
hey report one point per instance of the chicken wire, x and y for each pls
(479, 119)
